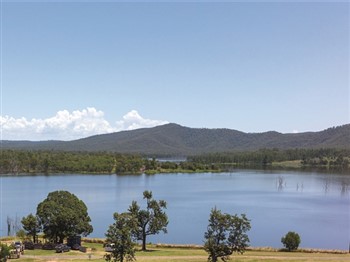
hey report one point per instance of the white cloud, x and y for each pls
(67, 125)
(133, 120)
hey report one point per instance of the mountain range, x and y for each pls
(176, 140)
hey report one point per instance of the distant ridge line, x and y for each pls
(176, 140)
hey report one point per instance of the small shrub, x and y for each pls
(49, 246)
(291, 241)
(28, 245)
(21, 234)
(4, 252)
(38, 246)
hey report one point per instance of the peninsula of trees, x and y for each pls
(33, 162)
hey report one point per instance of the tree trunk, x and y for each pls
(144, 242)
(61, 238)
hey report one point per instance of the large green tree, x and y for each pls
(120, 234)
(62, 215)
(31, 225)
(225, 234)
(291, 241)
(151, 220)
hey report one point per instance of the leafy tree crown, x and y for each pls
(225, 234)
(62, 215)
(291, 241)
(151, 220)
(120, 234)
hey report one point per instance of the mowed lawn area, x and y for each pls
(172, 254)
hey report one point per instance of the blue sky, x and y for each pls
(75, 69)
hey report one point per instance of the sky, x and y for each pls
(75, 69)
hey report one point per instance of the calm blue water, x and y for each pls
(315, 205)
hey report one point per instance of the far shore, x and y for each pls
(276, 166)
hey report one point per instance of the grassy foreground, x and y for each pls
(177, 254)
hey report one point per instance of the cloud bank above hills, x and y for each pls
(65, 125)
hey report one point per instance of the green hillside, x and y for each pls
(176, 140)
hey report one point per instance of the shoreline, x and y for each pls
(232, 168)
(263, 249)
(101, 241)
(250, 248)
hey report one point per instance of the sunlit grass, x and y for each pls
(169, 253)
(198, 255)
(288, 164)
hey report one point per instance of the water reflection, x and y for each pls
(281, 183)
(344, 188)
(300, 187)
(331, 184)
(326, 185)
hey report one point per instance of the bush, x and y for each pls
(38, 246)
(4, 252)
(28, 245)
(291, 241)
(49, 246)
(21, 234)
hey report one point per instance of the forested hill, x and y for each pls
(176, 140)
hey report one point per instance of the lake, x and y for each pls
(315, 205)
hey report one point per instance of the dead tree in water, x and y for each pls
(9, 225)
(281, 183)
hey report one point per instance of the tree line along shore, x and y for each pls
(23, 161)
